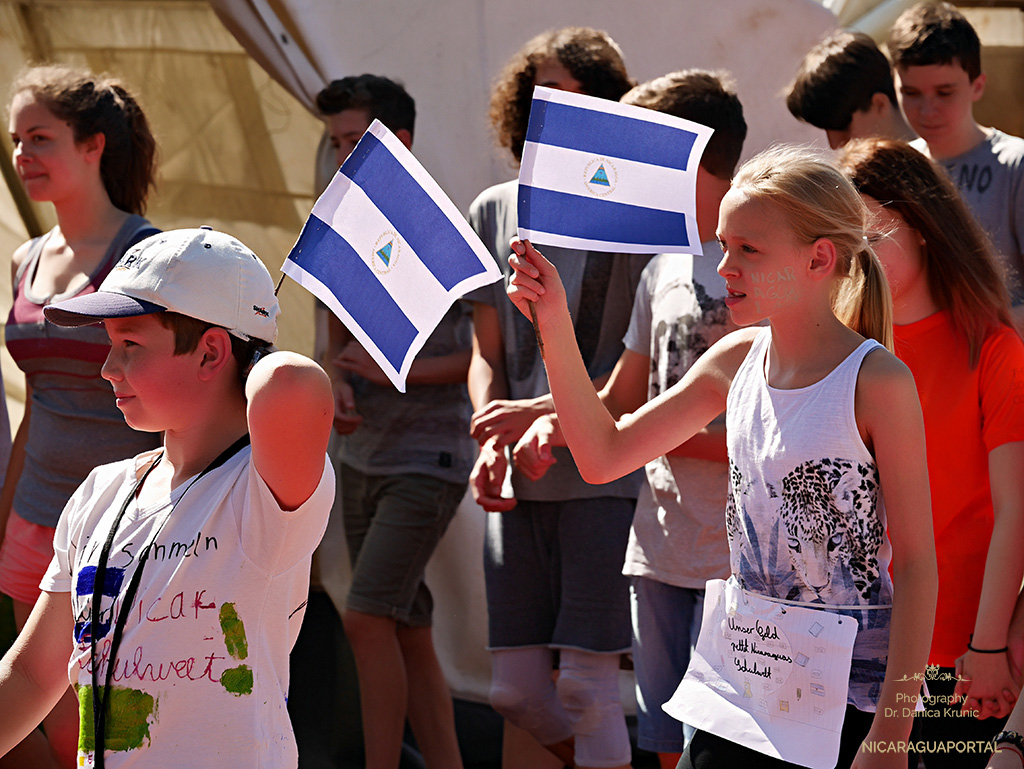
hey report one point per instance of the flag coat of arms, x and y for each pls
(602, 176)
(388, 252)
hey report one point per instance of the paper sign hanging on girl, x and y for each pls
(770, 676)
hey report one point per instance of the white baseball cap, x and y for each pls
(201, 273)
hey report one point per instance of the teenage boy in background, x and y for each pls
(937, 57)
(844, 87)
(404, 461)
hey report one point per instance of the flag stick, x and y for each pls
(536, 329)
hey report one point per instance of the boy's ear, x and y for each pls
(215, 350)
(823, 259)
(405, 136)
(880, 104)
(978, 86)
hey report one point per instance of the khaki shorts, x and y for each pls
(393, 524)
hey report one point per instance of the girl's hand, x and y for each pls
(986, 684)
(534, 281)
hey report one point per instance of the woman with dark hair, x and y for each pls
(82, 143)
(953, 328)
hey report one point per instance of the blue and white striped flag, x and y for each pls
(603, 176)
(387, 251)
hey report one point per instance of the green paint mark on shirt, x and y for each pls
(128, 718)
(238, 680)
(234, 632)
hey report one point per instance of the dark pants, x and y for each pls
(948, 725)
(706, 751)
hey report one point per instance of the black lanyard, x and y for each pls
(101, 697)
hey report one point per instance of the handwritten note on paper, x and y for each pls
(769, 676)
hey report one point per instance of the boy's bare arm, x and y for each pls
(34, 672)
(486, 377)
(346, 420)
(495, 416)
(290, 412)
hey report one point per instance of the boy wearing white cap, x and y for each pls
(180, 576)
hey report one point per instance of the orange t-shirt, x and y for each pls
(967, 413)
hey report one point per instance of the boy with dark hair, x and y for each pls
(677, 541)
(350, 104)
(179, 577)
(937, 57)
(844, 87)
(403, 462)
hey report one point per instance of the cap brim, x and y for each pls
(96, 307)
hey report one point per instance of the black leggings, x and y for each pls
(706, 751)
(944, 724)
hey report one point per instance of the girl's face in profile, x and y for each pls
(48, 160)
(762, 258)
(900, 249)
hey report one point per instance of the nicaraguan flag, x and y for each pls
(603, 176)
(388, 252)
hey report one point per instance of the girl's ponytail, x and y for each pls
(128, 171)
(818, 201)
(864, 302)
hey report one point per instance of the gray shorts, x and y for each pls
(554, 575)
(392, 525)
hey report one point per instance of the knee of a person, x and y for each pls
(576, 694)
(589, 699)
(362, 627)
(507, 698)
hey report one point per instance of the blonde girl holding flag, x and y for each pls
(817, 406)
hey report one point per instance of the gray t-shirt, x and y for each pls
(678, 534)
(426, 429)
(991, 179)
(600, 314)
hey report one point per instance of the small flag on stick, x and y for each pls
(602, 176)
(388, 252)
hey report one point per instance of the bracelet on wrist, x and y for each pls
(1007, 740)
(976, 650)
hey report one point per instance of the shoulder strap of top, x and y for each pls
(135, 229)
(35, 248)
(857, 356)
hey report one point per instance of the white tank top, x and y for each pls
(804, 517)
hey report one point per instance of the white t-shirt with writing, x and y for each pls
(201, 675)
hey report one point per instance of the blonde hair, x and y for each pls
(818, 201)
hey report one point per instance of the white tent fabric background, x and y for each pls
(448, 54)
(228, 86)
